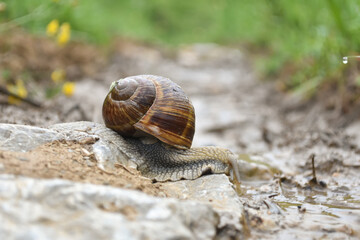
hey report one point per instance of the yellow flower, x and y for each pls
(52, 28)
(17, 89)
(58, 75)
(2, 7)
(68, 89)
(64, 34)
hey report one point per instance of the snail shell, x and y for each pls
(150, 104)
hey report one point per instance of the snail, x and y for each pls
(157, 119)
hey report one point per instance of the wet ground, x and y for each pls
(303, 179)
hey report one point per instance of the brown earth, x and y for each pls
(75, 162)
(25, 55)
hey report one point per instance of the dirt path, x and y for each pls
(277, 134)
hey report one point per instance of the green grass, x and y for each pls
(304, 41)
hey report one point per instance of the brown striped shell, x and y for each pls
(150, 104)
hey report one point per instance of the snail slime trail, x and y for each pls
(148, 106)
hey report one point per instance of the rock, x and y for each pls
(353, 130)
(59, 209)
(108, 149)
(214, 190)
(205, 208)
(24, 138)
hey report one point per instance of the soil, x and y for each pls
(75, 162)
(280, 134)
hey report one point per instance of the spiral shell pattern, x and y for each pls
(151, 104)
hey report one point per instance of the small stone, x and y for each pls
(88, 140)
(265, 189)
(158, 213)
(162, 194)
(90, 163)
(301, 209)
(86, 152)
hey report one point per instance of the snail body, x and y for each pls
(146, 107)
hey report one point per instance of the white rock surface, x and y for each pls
(24, 138)
(215, 190)
(59, 209)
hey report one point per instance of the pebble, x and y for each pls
(88, 140)
(90, 163)
(86, 152)
(2, 167)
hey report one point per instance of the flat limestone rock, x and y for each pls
(59, 209)
(24, 138)
(215, 190)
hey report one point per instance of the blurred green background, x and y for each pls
(299, 43)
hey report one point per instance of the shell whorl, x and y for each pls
(151, 104)
(124, 89)
(126, 103)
